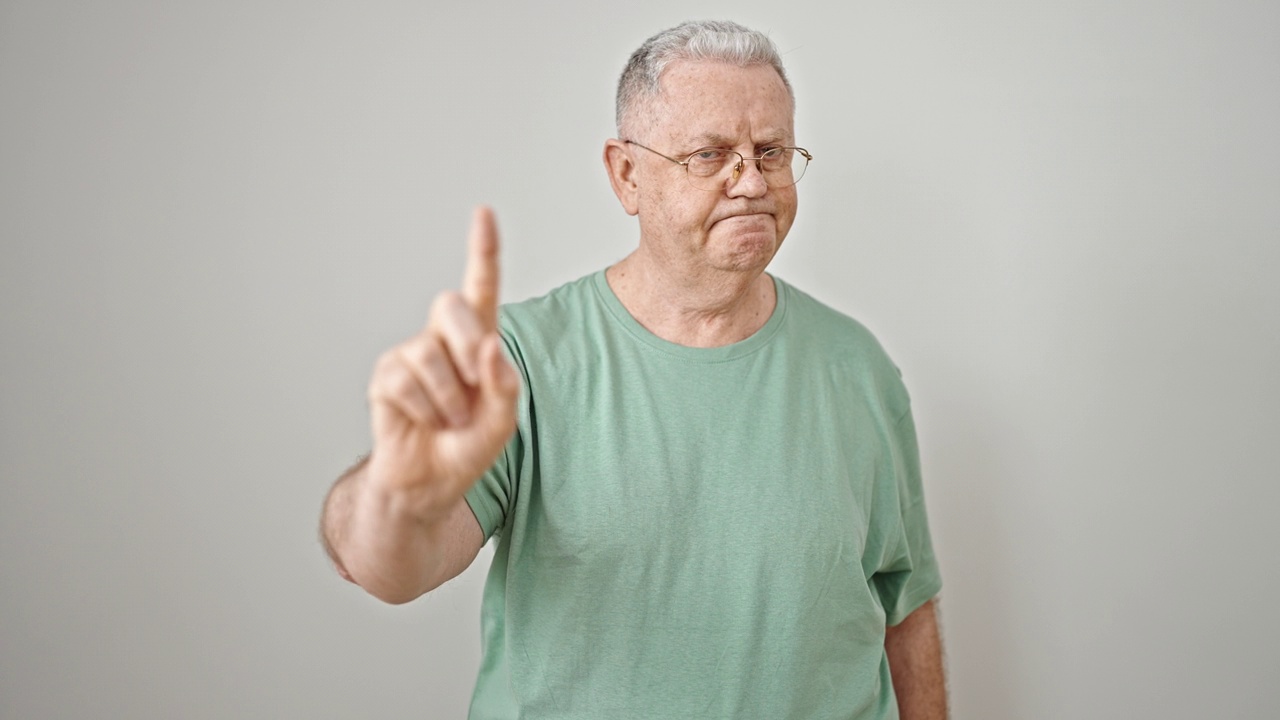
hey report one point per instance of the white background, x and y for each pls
(1062, 220)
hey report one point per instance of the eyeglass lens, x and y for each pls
(709, 169)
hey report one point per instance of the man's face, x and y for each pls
(711, 104)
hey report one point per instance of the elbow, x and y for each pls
(390, 592)
(392, 595)
(339, 568)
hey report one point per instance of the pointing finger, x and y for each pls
(480, 282)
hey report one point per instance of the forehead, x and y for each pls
(701, 101)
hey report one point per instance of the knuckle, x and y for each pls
(387, 366)
(439, 374)
(445, 303)
(469, 347)
(385, 362)
(446, 389)
(399, 382)
(450, 408)
(431, 354)
(388, 382)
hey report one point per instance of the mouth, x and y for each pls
(751, 228)
(756, 217)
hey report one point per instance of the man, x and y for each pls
(704, 484)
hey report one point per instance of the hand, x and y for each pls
(443, 403)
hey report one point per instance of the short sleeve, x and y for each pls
(490, 497)
(908, 575)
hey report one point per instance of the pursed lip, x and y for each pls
(745, 216)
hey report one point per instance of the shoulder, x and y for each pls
(833, 330)
(842, 343)
(553, 318)
(565, 298)
(552, 309)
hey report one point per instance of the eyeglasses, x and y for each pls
(709, 168)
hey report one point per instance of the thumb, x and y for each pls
(499, 386)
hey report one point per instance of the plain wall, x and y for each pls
(1061, 219)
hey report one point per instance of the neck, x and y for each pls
(704, 311)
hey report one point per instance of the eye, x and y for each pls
(775, 158)
(706, 162)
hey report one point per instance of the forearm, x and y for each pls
(376, 543)
(914, 647)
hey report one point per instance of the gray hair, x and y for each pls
(693, 40)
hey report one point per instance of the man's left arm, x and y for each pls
(914, 647)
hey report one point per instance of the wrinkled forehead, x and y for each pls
(719, 103)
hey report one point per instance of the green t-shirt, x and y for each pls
(698, 532)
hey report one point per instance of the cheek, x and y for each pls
(687, 209)
(674, 205)
(787, 211)
(668, 212)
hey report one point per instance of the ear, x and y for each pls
(622, 174)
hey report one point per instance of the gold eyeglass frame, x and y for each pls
(737, 168)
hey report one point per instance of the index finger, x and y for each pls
(480, 281)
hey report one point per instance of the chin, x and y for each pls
(752, 251)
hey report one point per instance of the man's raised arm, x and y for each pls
(442, 405)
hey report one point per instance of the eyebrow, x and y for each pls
(712, 139)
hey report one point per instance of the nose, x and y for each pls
(747, 179)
